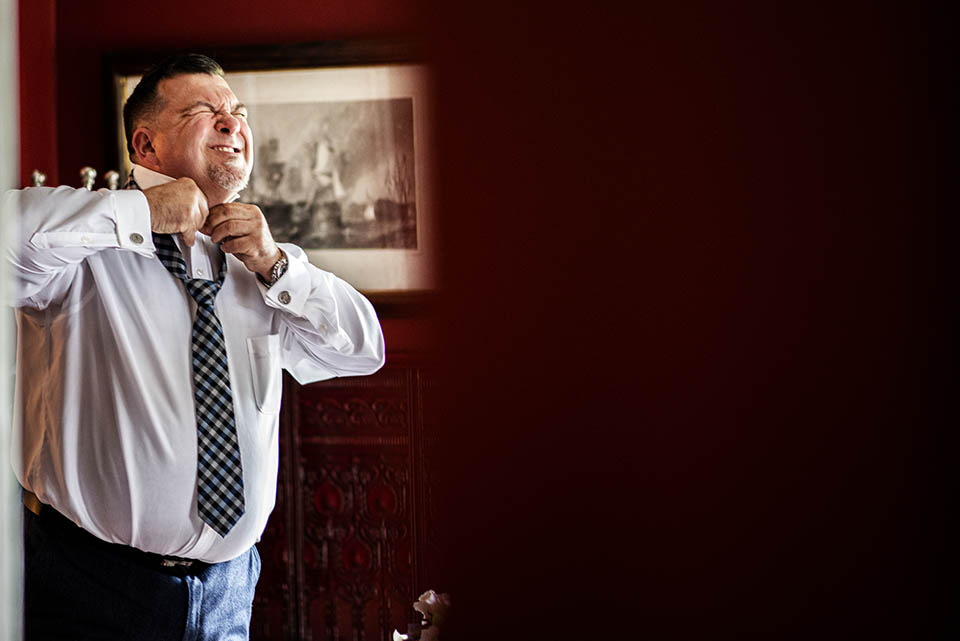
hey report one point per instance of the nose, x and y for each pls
(227, 124)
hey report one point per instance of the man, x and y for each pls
(153, 324)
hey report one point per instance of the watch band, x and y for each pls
(279, 268)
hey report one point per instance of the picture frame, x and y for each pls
(343, 165)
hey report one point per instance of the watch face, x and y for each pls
(278, 269)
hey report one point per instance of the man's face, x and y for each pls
(201, 132)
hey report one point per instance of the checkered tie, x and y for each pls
(219, 472)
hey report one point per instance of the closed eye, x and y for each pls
(202, 108)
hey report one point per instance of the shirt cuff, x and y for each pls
(291, 290)
(132, 214)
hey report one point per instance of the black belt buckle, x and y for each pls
(167, 562)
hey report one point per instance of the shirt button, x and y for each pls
(284, 297)
(84, 239)
(136, 238)
(199, 272)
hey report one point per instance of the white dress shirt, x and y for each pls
(106, 429)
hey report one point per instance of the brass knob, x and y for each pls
(112, 179)
(88, 175)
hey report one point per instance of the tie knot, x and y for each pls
(203, 291)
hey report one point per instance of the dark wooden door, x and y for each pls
(343, 551)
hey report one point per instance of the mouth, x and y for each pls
(226, 149)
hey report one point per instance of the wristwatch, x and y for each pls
(279, 268)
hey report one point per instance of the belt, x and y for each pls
(74, 533)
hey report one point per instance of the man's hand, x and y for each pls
(241, 230)
(177, 207)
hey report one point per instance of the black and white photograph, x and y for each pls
(337, 175)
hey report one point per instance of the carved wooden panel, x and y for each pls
(342, 554)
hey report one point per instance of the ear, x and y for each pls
(144, 149)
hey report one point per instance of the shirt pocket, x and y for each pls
(264, 353)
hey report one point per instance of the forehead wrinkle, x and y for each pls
(206, 89)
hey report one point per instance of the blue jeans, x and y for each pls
(79, 588)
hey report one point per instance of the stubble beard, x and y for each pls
(232, 179)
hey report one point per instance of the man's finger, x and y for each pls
(230, 211)
(234, 245)
(204, 210)
(213, 217)
(230, 228)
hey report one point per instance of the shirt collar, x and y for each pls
(147, 178)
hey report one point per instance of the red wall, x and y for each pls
(691, 257)
(690, 329)
(38, 90)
